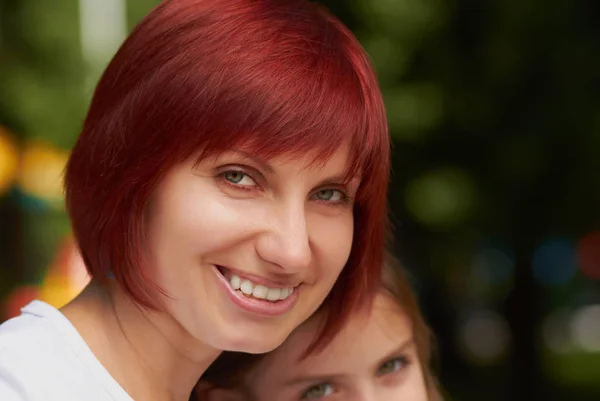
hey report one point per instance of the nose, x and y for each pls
(285, 242)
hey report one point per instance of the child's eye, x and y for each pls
(392, 366)
(319, 391)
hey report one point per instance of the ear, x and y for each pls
(205, 392)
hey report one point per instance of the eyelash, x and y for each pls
(345, 199)
(305, 394)
(223, 176)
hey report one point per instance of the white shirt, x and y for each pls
(43, 358)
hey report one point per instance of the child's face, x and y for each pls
(373, 358)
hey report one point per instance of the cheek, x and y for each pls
(413, 387)
(196, 222)
(331, 240)
(184, 225)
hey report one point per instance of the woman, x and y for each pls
(381, 354)
(233, 164)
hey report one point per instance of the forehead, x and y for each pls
(363, 341)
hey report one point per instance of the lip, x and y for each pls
(228, 272)
(257, 306)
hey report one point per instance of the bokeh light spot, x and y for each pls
(555, 332)
(391, 60)
(413, 110)
(554, 262)
(442, 198)
(588, 254)
(485, 337)
(41, 173)
(18, 298)
(585, 328)
(9, 161)
(492, 266)
(66, 277)
(405, 18)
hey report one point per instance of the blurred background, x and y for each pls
(494, 109)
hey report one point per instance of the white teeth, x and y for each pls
(246, 287)
(273, 294)
(260, 291)
(235, 282)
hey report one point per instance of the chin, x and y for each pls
(250, 342)
(255, 345)
(260, 347)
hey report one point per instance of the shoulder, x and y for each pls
(17, 346)
(12, 387)
(31, 351)
(32, 330)
(44, 358)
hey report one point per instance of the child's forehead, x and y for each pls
(385, 326)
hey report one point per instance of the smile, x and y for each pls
(257, 297)
(259, 291)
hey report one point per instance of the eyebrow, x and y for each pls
(263, 164)
(295, 381)
(339, 179)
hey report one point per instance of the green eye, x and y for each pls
(234, 177)
(391, 366)
(318, 391)
(330, 195)
(326, 194)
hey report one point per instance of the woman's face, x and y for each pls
(246, 248)
(373, 358)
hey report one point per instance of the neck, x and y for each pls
(147, 352)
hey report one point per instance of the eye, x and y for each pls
(239, 178)
(392, 366)
(319, 391)
(331, 195)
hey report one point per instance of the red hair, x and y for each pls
(204, 76)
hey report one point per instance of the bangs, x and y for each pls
(317, 117)
(311, 110)
(295, 87)
(299, 91)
